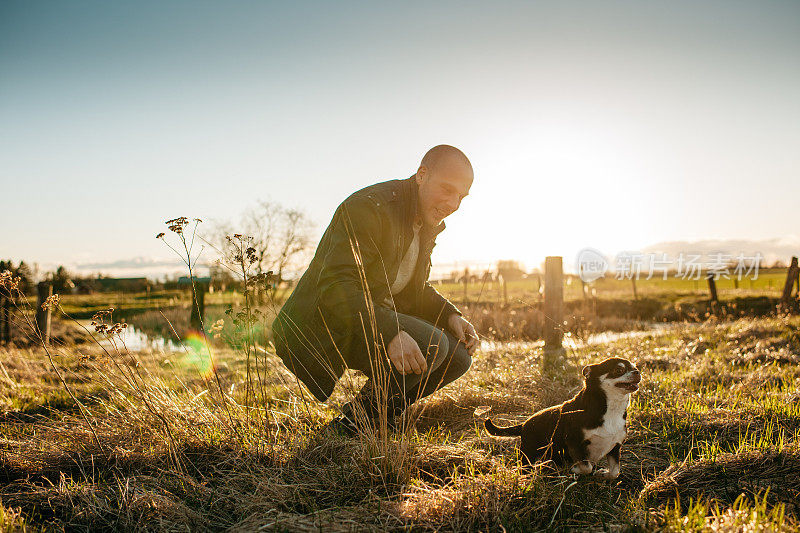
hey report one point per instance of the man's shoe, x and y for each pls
(341, 426)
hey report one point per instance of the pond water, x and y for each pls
(655, 328)
(136, 340)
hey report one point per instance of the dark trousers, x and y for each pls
(447, 359)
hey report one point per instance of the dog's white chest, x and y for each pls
(602, 439)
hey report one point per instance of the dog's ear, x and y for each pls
(587, 370)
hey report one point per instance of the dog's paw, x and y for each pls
(481, 411)
(605, 473)
(582, 467)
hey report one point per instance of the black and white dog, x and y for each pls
(586, 428)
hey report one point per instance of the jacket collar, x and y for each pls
(408, 194)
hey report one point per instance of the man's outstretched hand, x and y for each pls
(464, 331)
(405, 355)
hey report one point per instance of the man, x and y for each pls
(365, 303)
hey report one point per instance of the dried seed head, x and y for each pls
(216, 329)
(8, 281)
(51, 302)
(117, 328)
(98, 316)
(176, 225)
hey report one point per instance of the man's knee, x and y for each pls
(438, 345)
(461, 360)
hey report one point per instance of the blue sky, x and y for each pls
(614, 125)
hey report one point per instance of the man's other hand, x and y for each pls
(464, 331)
(405, 355)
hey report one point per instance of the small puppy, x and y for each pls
(585, 428)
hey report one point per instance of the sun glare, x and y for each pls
(197, 355)
(561, 185)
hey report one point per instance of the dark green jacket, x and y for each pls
(336, 317)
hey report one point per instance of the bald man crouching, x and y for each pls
(365, 302)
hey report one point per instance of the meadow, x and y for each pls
(769, 284)
(96, 436)
(510, 313)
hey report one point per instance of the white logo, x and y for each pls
(591, 265)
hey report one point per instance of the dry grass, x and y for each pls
(729, 475)
(718, 416)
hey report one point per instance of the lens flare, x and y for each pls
(198, 355)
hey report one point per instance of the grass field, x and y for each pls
(108, 439)
(519, 292)
(515, 314)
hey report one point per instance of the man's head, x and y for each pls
(443, 179)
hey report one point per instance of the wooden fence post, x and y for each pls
(589, 299)
(635, 294)
(539, 288)
(553, 308)
(712, 287)
(45, 290)
(791, 276)
(5, 318)
(198, 306)
(797, 281)
(505, 290)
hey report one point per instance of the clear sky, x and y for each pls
(613, 125)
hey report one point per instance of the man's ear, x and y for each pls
(587, 370)
(422, 173)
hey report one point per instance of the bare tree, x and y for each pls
(281, 237)
(294, 241)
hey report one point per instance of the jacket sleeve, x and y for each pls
(352, 274)
(436, 309)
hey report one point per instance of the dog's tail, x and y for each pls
(511, 431)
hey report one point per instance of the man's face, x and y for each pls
(441, 190)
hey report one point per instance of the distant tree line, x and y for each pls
(65, 282)
(23, 270)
